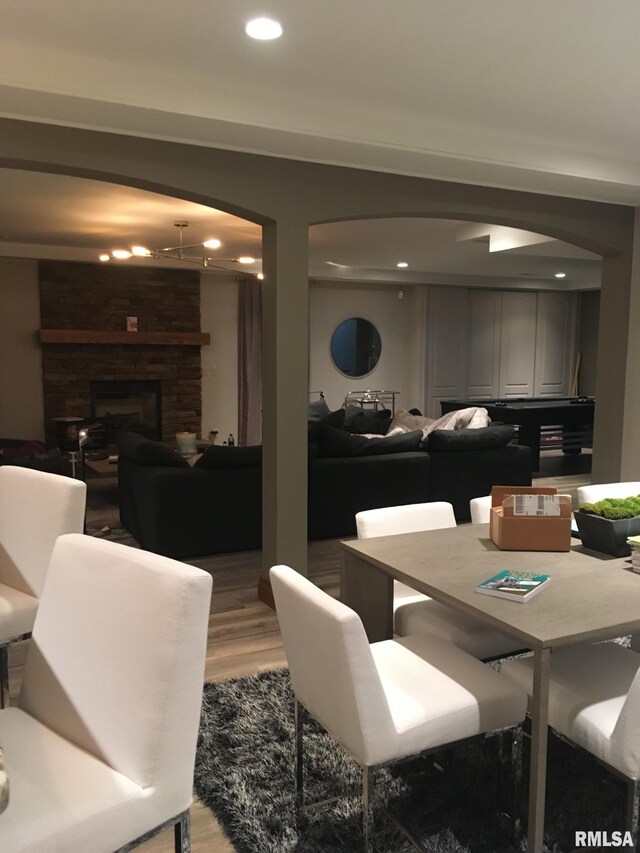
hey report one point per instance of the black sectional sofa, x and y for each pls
(214, 506)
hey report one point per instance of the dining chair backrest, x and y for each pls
(116, 661)
(480, 509)
(599, 491)
(626, 732)
(330, 662)
(35, 508)
(411, 518)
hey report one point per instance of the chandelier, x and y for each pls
(192, 253)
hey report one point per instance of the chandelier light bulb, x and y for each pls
(263, 29)
(140, 251)
(121, 254)
(246, 259)
(212, 244)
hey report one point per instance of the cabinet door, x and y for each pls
(518, 344)
(555, 336)
(446, 346)
(483, 348)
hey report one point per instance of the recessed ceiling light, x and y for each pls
(105, 258)
(212, 244)
(402, 264)
(263, 29)
(121, 254)
(260, 276)
(561, 275)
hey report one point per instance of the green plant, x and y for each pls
(614, 508)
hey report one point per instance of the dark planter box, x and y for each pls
(606, 535)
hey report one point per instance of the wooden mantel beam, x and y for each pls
(84, 336)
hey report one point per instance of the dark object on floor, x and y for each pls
(33, 454)
(245, 765)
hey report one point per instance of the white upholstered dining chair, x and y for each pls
(35, 508)
(387, 700)
(597, 492)
(594, 702)
(480, 509)
(100, 749)
(415, 613)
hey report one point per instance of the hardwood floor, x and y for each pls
(243, 633)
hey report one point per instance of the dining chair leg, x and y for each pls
(4, 676)
(299, 781)
(367, 817)
(182, 833)
(516, 770)
(633, 796)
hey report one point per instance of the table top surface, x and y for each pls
(520, 403)
(591, 596)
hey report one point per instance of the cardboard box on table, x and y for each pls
(528, 532)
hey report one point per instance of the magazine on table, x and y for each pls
(515, 586)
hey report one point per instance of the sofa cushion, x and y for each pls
(340, 443)
(219, 456)
(144, 451)
(359, 420)
(496, 435)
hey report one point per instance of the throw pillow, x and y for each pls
(335, 419)
(219, 456)
(406, 422)
(317, 410)
(338, 443)
(489, 438)
(361, 421)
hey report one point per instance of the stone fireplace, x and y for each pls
(89, 359)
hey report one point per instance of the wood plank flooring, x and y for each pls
(243, 633)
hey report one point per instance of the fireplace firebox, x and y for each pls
(129, 404)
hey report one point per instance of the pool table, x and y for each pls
(570, 419)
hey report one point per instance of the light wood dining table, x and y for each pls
(590, 597)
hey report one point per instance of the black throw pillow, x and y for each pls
(359, 420)
(219, 456)
(318, 410)
(334, 419)
(485, 438)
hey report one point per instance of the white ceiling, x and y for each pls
(60, 217)
(536, 94)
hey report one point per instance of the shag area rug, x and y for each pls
(245, 775)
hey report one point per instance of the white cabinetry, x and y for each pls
(492, 343)
(517, 344)
(446, 346)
